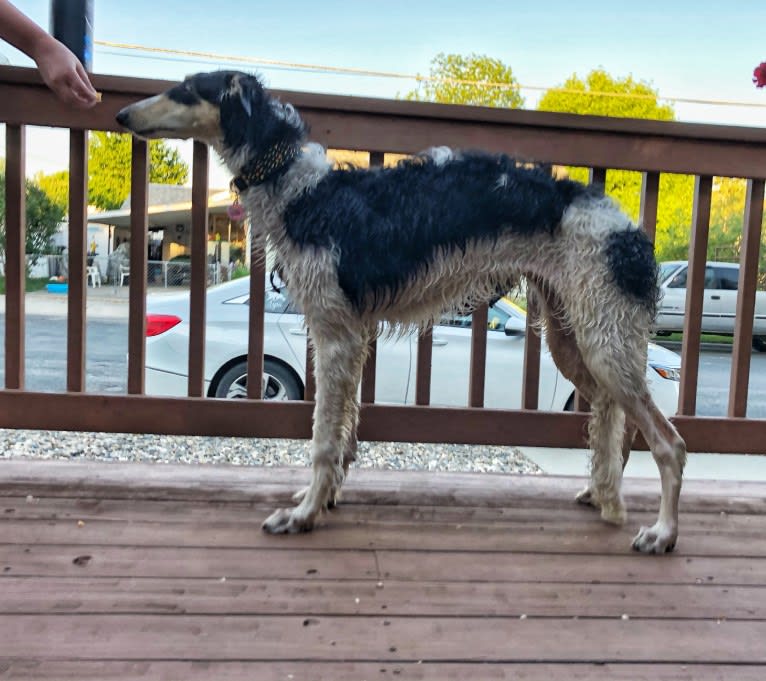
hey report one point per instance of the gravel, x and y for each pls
(254, 452)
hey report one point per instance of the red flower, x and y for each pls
(759, 75)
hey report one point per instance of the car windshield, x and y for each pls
(666, 269)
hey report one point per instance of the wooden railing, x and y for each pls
(376, 126)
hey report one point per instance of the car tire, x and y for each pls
(281, 383)
(759, 343)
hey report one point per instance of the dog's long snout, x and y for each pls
(122, 117)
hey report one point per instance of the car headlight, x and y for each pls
(670, 373)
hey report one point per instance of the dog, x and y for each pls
(441, 231)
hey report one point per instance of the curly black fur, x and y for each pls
(630, 255)
(381, 222)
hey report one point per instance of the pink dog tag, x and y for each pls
(236, 211)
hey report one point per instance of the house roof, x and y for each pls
(168, 205)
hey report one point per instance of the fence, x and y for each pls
(375, 126)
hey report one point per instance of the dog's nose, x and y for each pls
(122, 117)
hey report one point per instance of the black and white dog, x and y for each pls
(403, 244)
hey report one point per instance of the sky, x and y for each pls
(685, 49)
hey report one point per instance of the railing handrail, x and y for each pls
(591, 141)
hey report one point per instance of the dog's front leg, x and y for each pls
(338, 361)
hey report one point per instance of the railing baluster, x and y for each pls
(139, 225)
(256, 320)
(78, 230)
(377, 158)
(423, 366)
(309, 391)
(695, 285)
(748, 281)
(198, 271)
(650, 193)
(597, 176)
(530, 379)
(478, 369)
(15, 255)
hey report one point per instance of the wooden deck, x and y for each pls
(161, 572)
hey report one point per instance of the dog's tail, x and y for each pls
(630, 255)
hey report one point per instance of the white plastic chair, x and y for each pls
(94, 276)
(124, 273)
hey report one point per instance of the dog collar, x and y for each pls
(267, 166)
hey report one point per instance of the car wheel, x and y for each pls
(279, 383)
(759, 343)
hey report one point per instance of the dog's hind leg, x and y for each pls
(608, 437)
(619, 366)
(338, 359)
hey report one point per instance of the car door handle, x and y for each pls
(439, 341)
(297, 331)
(715, 297)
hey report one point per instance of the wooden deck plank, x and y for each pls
(200, 562)
(135, 595)
(590, 536)
(118, 670)
(215, 637)
(269, 485)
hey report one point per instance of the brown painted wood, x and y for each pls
(78, 231)
(368, 373)
(423, 367)
(309, 391)
(695, 284)
(349, 595)
(597, 176)
(119, 670)
(215, 637)
(199, 270)
(161, 572)
(748, 281)
(139, 223)
(530, 391)
(113, 484)
(580, 534)
(478, 368)
(184, 416)
(15, 251)
(650, 194)
(256, 311)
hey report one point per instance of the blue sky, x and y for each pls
(701, 49)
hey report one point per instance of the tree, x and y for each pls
(43, 218)
(601, 94)
(109, 157)
(475, 79)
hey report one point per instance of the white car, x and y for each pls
(226, 337)
(719, 301)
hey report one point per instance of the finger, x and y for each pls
(85, 79)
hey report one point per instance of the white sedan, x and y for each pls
(226, 338)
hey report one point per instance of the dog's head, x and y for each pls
(227, 109)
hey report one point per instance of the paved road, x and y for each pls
(107, 345)
(106, 348)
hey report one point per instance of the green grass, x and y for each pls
(32, 285)
(704, 338)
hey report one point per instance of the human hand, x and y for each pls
(64, 74)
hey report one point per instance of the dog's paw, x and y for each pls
(287, 521)
(659, 538)
(587, 497)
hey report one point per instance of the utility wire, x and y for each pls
(196, 55)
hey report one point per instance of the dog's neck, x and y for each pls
(267, 167)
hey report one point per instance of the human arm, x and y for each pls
(59, 68)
